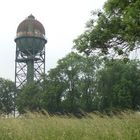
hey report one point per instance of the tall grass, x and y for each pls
(94, 127)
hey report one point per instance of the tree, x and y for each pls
(114, 29)
(30, 98)
(54, 87)
(119, 85)
(88, 82)
(61, 85)
(71, 86)
(7, 91)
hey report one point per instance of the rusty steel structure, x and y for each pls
(30, 52)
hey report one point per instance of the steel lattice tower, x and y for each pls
(30, 52)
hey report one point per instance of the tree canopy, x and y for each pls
(78, 83)
(119, 85)
(7, 92)
(113, 29)
(29, 98)
(71, 85)
(81, 83)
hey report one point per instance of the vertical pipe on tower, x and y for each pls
(30, 71)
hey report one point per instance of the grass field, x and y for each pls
(94, 127)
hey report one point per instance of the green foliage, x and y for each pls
(70, 86)
(119, 85)
(54, 86)
(115, 28)
(84, 83)
(29, 98)
(7, 92)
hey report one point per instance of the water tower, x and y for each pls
(30, 51)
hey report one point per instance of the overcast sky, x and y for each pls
(63, 20)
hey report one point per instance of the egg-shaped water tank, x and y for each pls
(30, 37)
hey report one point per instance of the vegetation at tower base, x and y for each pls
(29, 98)
(7, 91)
(82, 83)
(116, 28)
(78, 84)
